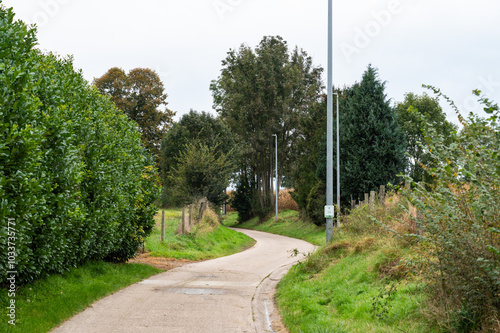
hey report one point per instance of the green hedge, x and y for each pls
(74, 175)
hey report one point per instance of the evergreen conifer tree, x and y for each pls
(372, 146)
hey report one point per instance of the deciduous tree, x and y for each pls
(414, 114)
(198, 128)
(140, 94)
(263, 92)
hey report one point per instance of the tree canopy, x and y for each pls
(140, 94)
(260, 93)
(372, 147)
(195, 130)
(414, 114)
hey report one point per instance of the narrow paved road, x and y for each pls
(233, 294)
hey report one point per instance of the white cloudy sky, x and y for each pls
(453, 45)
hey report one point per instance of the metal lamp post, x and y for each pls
(338, 163)
(277, 188)
(329, 129)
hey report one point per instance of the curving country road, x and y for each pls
(233, 294)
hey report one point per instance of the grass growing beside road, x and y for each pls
(289, 224)
(44, 304)
(197, 246)
(352, 285)
(361, 282)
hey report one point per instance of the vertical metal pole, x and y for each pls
(277, 186)
(329, 126)
(338, 164)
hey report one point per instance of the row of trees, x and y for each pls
(260, 93)
(272, 90)
(378, 142)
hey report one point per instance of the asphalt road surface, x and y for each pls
(233, 294)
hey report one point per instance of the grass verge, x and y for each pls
(46, 303)
(197, 246)
(289, 224)
(355, 284)
(363, 281)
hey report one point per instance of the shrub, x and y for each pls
(74, 177)
(461, 223)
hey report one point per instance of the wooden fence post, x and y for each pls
(163, 225)
(367, 199)
(372, 200)
(382, 195)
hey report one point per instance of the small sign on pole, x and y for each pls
(329, 212)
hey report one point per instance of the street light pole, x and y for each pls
(277, 188)
(329, 127)
(338, 163)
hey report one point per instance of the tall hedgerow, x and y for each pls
(75, 181)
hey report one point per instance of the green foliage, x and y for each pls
(140, 94)
(199, 245)
(46, 303)
(241, 200)
(201, 172)
(304, 177)
(413, 114)
(460, 222)
(193, 128)
(372, 147)
(262, 92)
(74, 176)
(316, 202)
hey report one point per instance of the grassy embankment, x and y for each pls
(202, 244)
(361, 282)
(44, 304)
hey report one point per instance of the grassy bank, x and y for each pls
(289, 224)
(356, 284)
(43, 305)
(361, 282)
(219, 242)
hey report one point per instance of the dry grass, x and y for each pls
(208, 223)
(285, 201)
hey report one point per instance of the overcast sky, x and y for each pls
(453, 45)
